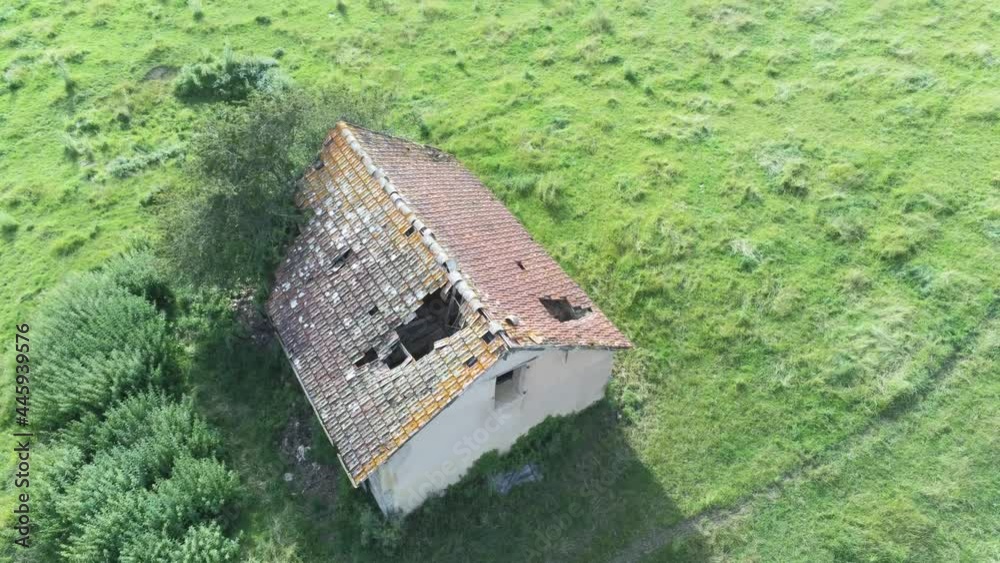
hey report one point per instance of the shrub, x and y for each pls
(599, 22)
(631, 387)
(229, 77)
(631, 75)
(196, 10)
(102, 343)
(144, 485)
(13, 77)
(205, 543)
(75, 148)
(69, 83)
(68, 245)
(521, 184)
(8, 226)
(550, 191)
(137, 272)
(432, 11)
(748, 255)
(198, 489)
(125, 166)
(846, 229)
(377, 531)
(387, 7)
(147, 421)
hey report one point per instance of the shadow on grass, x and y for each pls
(595, 495)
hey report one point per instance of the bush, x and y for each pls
(101, 344)
(137, 272)
(14, 77)
(142, 485)
(125, 166)
(148, 421)
(550, 191)
(230, 77)
(206, 544)
(599, 22)
(377, 531)
(8, 226)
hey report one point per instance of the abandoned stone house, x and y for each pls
(423, 322)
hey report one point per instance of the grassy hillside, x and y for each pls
(792, 208)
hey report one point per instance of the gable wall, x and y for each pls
(555, 382)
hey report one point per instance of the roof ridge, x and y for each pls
(456, 279)
(352, 125)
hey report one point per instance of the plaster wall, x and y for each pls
(549, 382)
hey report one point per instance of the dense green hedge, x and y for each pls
(100, 344)
(147, 481)
(132, 473)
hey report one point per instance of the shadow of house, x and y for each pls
(593, 500)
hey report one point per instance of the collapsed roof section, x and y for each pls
(511, 272)
(386, 321)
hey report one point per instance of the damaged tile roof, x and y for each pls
(405, 246)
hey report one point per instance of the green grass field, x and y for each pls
(792, 208)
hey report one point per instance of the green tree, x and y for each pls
(228, 225)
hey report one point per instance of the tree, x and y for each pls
(228, 225)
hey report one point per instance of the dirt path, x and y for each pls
(709, 520)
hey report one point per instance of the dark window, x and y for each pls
(409, 231)
(562, 310)
(507, 387)
(373, 311)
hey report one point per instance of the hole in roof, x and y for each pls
(488, 337)
(562, 310)
(373, 311)
(520, 264)
(370, 356)
(471, 361)
(437, 317)
(396, 356)
(409, 231)
(340, 260)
